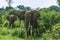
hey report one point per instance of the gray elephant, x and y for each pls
(11, 18)
(21, 15)
(31, 18)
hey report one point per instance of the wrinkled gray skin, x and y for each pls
(31, 18)
(11, 18)
(21, 15)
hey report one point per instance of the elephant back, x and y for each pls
(21, 15)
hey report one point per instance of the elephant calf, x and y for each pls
(11, 18)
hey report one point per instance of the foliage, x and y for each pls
(54, 8)
(58, 1)
(9, 2)
(8, 8)
(49, 26)
(22, 7)
(28, 8)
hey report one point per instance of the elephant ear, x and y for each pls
(36, 15)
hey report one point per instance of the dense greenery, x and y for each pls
(49, 25)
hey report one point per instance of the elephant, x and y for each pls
(21, 15)
(31, 18)
(11, 18)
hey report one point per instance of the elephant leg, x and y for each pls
(13, 25)
(35, 27)
(27, 22)
(31, 23)
(9, 24)
(27, 28)
(28, 31)
(32, 31)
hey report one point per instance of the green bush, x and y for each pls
(56, 31)
(49, 18)
(49, 25)
(19, 32)
(4, 31)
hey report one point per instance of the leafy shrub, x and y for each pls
(56, 31)
(49, 18)
(4, 31)
(19, 32)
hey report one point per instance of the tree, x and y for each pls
(9, 2)
(21, 7)
(56, 8)
(8, 8)
(28, 8)
(2, 9)
(58, 1)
